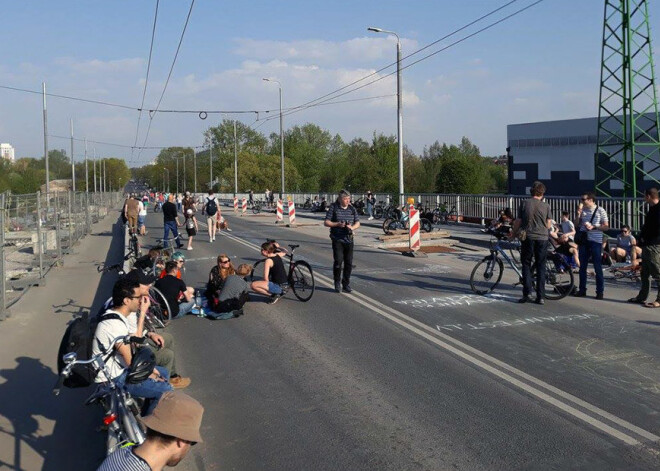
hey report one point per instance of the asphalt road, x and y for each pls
(413, 371)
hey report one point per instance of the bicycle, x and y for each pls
(487, 273)
(121, 409)
(255, 206)
(445, 216)
(300, 278)
(134, 248)
(158, 316)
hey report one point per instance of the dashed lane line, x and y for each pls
(498, 368)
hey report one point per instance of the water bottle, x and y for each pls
(198, 302)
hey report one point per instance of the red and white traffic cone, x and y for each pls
(279, 215)
(243, 206)
(292, 213)
(235, 204)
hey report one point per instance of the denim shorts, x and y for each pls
(274, 288)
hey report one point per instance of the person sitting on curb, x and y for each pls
(172, 429)
(274, 273)
(179, 296)
(233, 296)
(127, 298)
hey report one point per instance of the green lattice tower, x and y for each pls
(628, 151)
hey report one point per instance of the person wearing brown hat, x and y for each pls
(172, 429)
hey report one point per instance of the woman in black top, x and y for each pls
(218, 275)
(274, 273)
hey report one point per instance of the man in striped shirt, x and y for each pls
(593, 220)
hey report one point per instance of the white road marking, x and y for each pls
(479, 358)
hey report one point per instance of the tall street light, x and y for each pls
(281, 133)
(399, 105)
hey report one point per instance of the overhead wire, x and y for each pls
(471, 35)
(67, 97)
(146, 80)
(169, 75)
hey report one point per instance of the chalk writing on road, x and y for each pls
(515, 322)
(456, 300)
(430, 269)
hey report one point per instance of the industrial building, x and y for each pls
(561, 154)
(7, 152)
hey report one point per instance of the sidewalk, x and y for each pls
(37, 429)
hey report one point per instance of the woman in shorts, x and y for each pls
(274, 273)
(191, 226)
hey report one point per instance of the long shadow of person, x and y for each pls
(27, 412)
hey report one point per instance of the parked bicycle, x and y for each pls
(255, 206)
(300, 278)
(120, 408)
(487, 274)
(158, 315)
(442, 215)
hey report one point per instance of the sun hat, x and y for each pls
(178, 415)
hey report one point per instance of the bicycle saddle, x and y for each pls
(294, 246)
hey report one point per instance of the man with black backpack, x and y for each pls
(342, 219)
(212, 212)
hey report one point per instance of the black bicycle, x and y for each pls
(300, 277)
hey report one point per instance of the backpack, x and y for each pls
(78, 338)
(211, 207)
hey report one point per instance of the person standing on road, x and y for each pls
(342, 219)
(591, 220)
(371, 201)
(172, 430)
(191, 226)
(211, 209)
(534, 218)
(171, 222)
(649, 239)
(131, 210)
(142, 217)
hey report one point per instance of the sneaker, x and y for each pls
(540, 301)
(347, 288)
(211, 240)
(338, 286)
(189, 248)
(274, 298)
(599, 296)
(179, 382)
(238, 312)
(370, 219)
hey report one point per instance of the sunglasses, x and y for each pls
(224, 261)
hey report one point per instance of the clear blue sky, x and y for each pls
(541, 65)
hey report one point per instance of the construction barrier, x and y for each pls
(415, 241)
(243, 206)
(280, 212)
(292, 213)
(235, 204)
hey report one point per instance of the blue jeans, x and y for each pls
(593, 250)
(220, 316)
(171, 226)
(370, 209)
(149, 389)
(185, 308)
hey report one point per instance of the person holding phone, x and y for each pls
(342, 219)
(591, 220)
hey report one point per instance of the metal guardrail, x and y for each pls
(481, 209)
(37, 231)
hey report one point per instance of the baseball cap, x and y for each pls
(177, 415)
(140, 277)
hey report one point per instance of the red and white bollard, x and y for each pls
(235, 204)
(414, 234)
(292, 213)
(243, 206)
(280, 212)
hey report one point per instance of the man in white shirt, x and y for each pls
(114, 323)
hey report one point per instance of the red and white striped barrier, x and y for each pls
(243, 206)
(415, 241)
(235, 204)
(292, 213)
(280, 212)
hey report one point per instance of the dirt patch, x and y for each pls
(425, 249)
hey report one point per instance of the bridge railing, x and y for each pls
(481, 209)
(37, 231)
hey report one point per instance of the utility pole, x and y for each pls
(184, 171)
(94, 169)
(73, 165)
(86, 169)
(195, 169)
(235, 162)
(211, 162)
(177, 175)
(43, 85)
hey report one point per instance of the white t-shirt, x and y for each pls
(106, 332)
(567, 227)
(142, 209)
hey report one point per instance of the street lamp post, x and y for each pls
(281, 133)
(195, 170)
(399, 106)
(236, 162)
(177, 175)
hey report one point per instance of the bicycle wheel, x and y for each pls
(559, 279)
(160, 309)
(256, 209)
(378, 212)
(301, 280)
(257, 272)
(486, 275)
(386, 225)
(425, 225)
